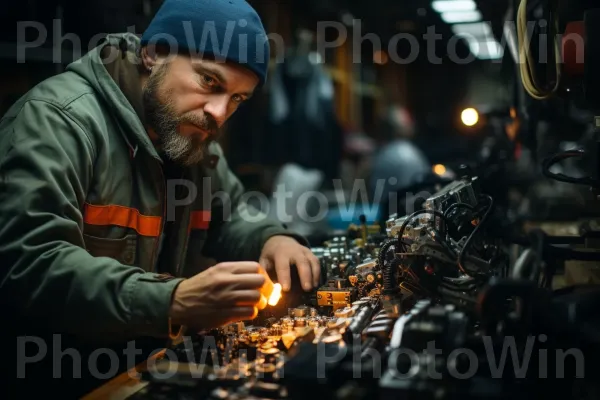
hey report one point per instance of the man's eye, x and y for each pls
(208, 80)
(237, 98)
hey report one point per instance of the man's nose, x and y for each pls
(218, 108)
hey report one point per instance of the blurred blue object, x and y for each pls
(342, 216)
(397, 166)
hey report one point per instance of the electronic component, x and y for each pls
(337, 294)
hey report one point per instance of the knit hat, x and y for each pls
(225, 29)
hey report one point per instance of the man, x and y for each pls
(114, 190)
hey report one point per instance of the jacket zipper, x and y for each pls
(183, 253)
(162, 218)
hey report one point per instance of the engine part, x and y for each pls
(442, 251)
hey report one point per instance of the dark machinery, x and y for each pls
(427, 309)
(443, 251)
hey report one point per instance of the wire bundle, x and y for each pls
(444, 216)
(527, 65)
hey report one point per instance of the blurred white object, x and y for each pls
(296, 200)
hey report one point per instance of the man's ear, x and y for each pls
(149, 57)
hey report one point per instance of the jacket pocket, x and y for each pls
(123, 250)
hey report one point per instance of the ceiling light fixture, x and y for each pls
(442, 6)
(477, 29)
(456, 17)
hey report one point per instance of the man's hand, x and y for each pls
(225, 293)
(280, 252)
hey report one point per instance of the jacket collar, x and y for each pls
(111, 68)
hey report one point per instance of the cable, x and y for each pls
(389, 277)
(463, 251)
(437, 237)
(550, 161)
(526, 65)
(527, 68)
(457, 205)
(387, 271)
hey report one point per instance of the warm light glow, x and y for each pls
(439, 169)
(469, 117)
(275, 295)
(270, 292)
(380, 57)
(262, 303)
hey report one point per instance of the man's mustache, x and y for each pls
(206, 124)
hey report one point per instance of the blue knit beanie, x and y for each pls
(225, 29)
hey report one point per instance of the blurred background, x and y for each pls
(362, 91)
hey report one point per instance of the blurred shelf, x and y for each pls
(341, 76)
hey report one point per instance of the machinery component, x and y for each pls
(434, 335)
(441, 251)
(336, 298)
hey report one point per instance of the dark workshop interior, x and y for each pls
(409, 192)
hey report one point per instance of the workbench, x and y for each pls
(124, 385)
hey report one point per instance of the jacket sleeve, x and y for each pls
(46, 275)
(238, 230)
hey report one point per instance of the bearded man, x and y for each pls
(114, 192)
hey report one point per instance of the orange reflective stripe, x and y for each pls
(122, 216)
(200, 219)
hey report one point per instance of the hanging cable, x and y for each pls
(527, 65)
(550, 161)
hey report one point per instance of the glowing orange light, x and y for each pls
(275, 295)
(270, 293)
(439, 169)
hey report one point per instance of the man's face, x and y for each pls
(187, 100)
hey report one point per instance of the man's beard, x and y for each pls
(161, 117)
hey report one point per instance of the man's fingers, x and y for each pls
(305, 272)
(316, 269)
(242, 267)
(235, 314)
(262, 303)
(245, 281)
(245, 297)
(265, 264)
(282, 268)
